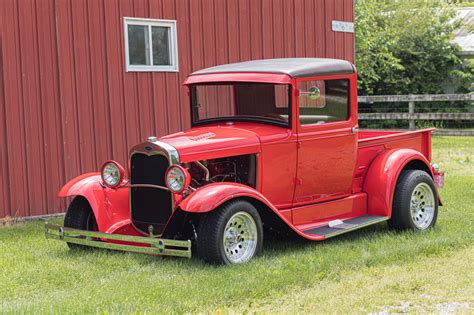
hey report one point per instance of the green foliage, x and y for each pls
(461, 3)
(404, 47)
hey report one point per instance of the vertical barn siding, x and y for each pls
(67, 104)
(4, 194)
(14, 126)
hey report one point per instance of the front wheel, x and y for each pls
(80, 216)
(231, 234)
(415, 202)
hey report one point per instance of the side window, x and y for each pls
(324, 101)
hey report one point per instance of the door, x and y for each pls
(327, 142)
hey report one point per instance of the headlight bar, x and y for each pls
(145, 245)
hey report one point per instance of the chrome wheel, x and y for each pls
(240, 238)
(422, 206)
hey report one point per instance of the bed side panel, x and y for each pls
(372, 143)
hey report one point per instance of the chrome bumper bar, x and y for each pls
(161, 247)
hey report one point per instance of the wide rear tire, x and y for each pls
(415, 202)
(80, 216)
(231, 234)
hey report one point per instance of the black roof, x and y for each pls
(294, 67)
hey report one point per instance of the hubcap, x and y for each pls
(240, 238)
(422, 206)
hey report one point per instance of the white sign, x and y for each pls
(341, 26)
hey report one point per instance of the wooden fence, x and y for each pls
(412, 116)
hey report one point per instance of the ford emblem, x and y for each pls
(148, 148)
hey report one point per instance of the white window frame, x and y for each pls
(171, 24)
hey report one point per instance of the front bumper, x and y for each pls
(157, 246)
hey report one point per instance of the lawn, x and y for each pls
(371, 270)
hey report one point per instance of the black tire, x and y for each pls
(80, 216)
(402, 216)
(210, 237)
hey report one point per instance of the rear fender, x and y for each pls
(382, 176)
(110, 206)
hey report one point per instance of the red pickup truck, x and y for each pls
(274, 148)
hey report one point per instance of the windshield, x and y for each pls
(259, 102)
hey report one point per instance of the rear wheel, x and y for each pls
(80, 216)
(415, 202)
(231, 234)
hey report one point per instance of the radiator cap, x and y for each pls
(152, 139)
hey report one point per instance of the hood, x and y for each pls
(212, 142)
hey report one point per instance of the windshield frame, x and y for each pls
(257, 119)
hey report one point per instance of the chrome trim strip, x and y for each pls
(355, 227)
(148, 186)
(143, 186)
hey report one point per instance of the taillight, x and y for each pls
(438, 176)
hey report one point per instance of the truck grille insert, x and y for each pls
(149, 206)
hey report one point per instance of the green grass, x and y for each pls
(371, 270)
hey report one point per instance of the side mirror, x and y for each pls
(314, 93)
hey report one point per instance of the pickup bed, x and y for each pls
(419, 140)
(370, 145)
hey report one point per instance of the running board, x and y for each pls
(338, 227)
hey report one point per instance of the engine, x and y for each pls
(236, 169)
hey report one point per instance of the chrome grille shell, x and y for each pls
(150, 153)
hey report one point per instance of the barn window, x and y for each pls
(150, 45)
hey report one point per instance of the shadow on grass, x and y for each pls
(93, 255)
(275, 248)
(280, 247)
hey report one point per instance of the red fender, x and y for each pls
(382, 176)
(111, 207)
(211, 196)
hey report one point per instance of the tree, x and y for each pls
(405, 47)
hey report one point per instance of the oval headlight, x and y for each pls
(112, 174)
(177, 178)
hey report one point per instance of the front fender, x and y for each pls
(382, 176)
(79, 184)
(211, 196)
(110, 206)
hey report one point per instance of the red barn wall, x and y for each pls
(67, 104)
